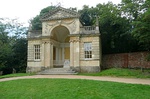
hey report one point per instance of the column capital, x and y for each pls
(45, 42)
(71, 41)
(75, 40)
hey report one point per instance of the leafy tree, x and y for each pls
(5, 48)
(116, 37)
(132, 8)
(46, 10)
(87, 16)
(20, 54)
(141, 29)
(11, 32)
(36, 24)
(115, 23)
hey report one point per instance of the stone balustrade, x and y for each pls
(34, 34)
(88, 30)
(83, 30)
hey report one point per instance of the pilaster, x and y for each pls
(47, 54)
(43, 54)
(71, 54)
(76, 53)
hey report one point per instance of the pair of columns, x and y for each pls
(47, 54)
(74, 53)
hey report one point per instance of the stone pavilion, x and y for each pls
(64, 42)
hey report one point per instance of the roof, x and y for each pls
(60, 13)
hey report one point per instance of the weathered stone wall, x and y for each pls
(126, 60)
(90, 65)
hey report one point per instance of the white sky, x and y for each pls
(27, 9)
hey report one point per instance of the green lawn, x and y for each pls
(15, 75)
(119, 72)
(71, 89)
(116, 72)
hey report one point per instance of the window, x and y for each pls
(87, 50)
(36, 52)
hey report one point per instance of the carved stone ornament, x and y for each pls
(60, 13)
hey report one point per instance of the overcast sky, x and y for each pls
(27, 9)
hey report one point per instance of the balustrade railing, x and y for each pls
(87, 30)
(34, 34)
(83, 30)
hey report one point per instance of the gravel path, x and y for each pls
(101, 78)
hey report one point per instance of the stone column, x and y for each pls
(57, 58)
(51, 55)
(71, 54)
(47, 54)
(59, 55)
(76, 54)
(63, 53)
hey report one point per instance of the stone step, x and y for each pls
(61, 71)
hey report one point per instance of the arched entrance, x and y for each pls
(61, 47)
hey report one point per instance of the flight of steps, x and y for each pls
(58, 71)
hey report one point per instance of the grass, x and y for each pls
(71, 89)
(119, 72)
(115, 72)
(15, 75)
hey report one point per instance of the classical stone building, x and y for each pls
(64, 42)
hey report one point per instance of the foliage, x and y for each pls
(44, 11)
(116, 37)
(124, 27)
(71, 89)
(20, 56)
(138, 13)
(87, 16)
(11, 32)
(131, 9)
(119, 72)
(148, 57)
(36, 24)
(5, 48)
(115, 29)
(141, 30)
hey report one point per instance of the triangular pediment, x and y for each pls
(59, 13)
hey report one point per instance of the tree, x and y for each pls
(36, 24)
(5, 48)
(46, 10)
(87, 16)
(116, 37)
(11, 35)
(20, 55)
(115, 24)
(131, 9)
(141, 29)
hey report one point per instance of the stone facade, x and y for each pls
(64, 42)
